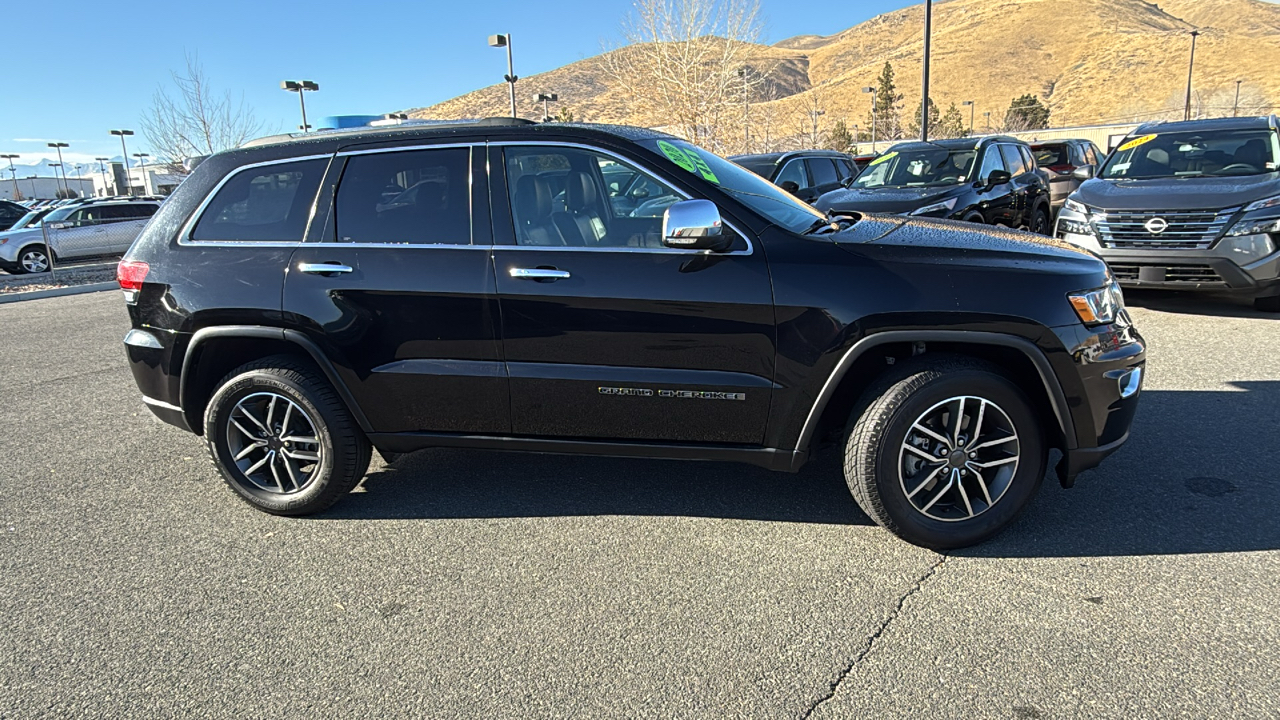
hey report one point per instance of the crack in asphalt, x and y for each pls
(871, 641)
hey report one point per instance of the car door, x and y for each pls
(1021, 185)
(120, 225)
(79, 235)
(607, 333)
(825, 178)
(396, 287)
(996, 202)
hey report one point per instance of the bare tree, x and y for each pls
(191, 119)
(681, 65)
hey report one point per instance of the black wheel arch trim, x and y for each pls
(1057, 398)
(203, 335)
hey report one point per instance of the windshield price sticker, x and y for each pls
(689, 160)
(1136, 142)
(885, 157)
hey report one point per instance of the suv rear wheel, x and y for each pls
(945, 454)
(283, 439)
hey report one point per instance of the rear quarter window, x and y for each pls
(271, 203)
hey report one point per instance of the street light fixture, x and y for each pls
(1186, 113)
(546, 98)
(972, 107)
(504, 41)
(17, 194)
(125, 156)
(873, 116)
(58, 146)
(300, 86)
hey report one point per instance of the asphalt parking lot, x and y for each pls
(492, 585)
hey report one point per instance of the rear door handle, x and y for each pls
(324, 268)
(538, 273)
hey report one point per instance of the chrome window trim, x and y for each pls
(639, 167)
(184, 237)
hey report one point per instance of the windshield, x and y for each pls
(925, 167)
(60, 213)
(1201, 153)
(30, 220)
(772, 202)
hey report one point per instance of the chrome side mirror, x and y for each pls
(1084, 172)
(694, 224)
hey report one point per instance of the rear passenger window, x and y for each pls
(412, 197)
(823, 171)
(264, 204)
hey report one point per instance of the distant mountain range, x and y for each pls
(1090, 61)
(45, 168)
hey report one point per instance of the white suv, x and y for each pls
(87, 229)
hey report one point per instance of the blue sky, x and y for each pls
(89, 66)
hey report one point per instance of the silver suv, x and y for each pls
(86, 229)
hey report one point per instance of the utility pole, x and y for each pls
(874, 105)
(1186, 113)
(924, 102)
(504, 40)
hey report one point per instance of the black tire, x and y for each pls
(1040, 222)
(343, 450)
(878, 430)
(1267, 304)
(31, 256)
(975, 218)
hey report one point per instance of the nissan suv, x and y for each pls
(1187, 206)
(992, 180)
(294, 304)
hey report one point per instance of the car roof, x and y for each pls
(777, 157)
(1056, 141)
(423, 129)
(1261, 122)
(955, 143)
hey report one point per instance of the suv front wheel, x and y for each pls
(283, 439)
(945, 454)
(32, 259)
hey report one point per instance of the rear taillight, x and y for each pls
(130, 274)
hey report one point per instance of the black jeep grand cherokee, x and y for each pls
(302, 300)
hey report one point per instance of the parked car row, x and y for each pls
(93, 227)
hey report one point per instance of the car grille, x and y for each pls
(1190, 274)
(1193, 230)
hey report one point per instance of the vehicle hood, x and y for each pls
(893, 201)
(8, 234)
(1200, 193)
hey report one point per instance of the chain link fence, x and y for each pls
(81, 240)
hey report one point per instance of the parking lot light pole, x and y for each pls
(873, 117)
(103, 169)
(57, 183)
(546, 98)
(125, 150)
(972, 107)
(32, 178)
(1191, 66)
(1235, 107)
(504, 41)
(58, 146)
(300, 87)
(17, 194)
(924, 80)
(987, 115)
(142, 162)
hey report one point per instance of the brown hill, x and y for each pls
(1091, 61)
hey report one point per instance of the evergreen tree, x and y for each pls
(564, 115)
(1026, 113)
(885, 119)
(952, 124)
(913, 130)
(839, 138)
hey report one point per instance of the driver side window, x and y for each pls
(793, 172)
(991, 161)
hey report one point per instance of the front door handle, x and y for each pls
(324, 268)
(538, 273)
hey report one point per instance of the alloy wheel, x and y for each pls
(273, 443)
(34, 261)
(958, 458)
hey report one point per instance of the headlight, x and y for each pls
(1264, 203)
(1098, 307)
(943, 206)
(1075, 207)
(1255, 227)
(1247, 247)
(1074, 227)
